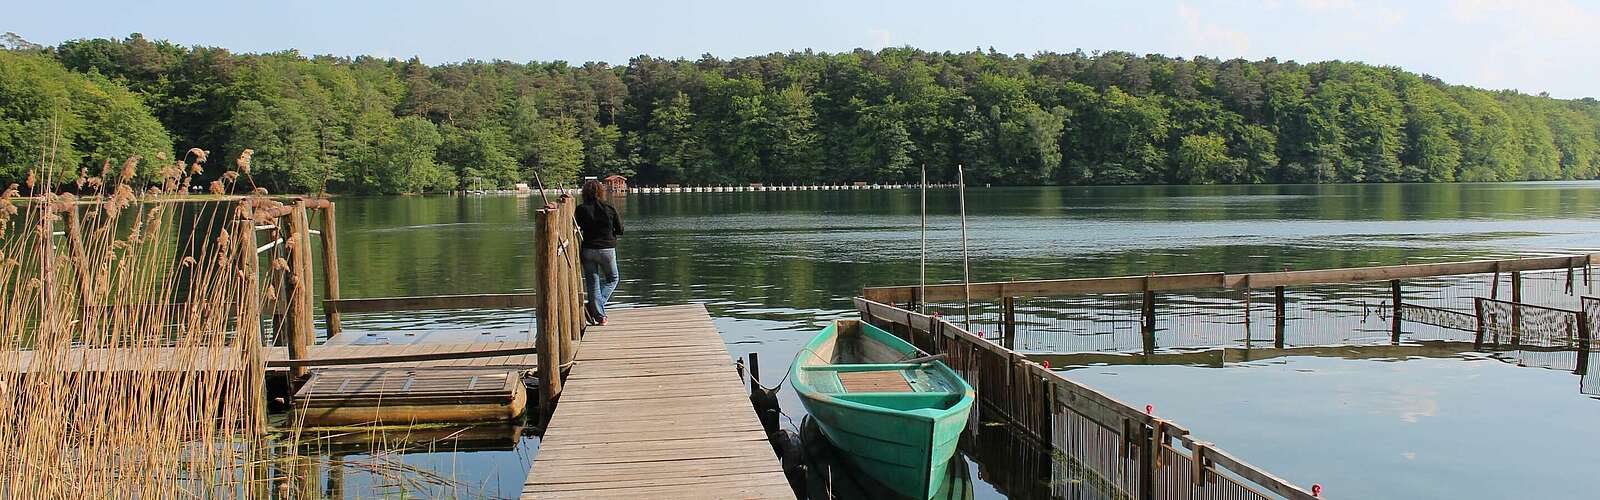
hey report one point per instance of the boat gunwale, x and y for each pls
(807, 391)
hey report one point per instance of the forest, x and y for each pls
(368, 125)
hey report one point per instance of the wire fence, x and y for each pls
(1106, 443)
(1315, 314)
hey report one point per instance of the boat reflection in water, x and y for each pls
(1013, 465)
(829, 474)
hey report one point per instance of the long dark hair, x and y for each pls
(593, 191)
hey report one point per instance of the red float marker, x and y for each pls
(1316, 490)
(1149, 409)
(1045, 363)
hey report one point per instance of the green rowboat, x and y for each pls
(896, 414)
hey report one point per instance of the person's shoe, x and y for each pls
(602, 321)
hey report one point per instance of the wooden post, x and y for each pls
(1516, 307)
(300, 326)
(1477, 310)
(1148, 319)
(1281, 318)
(247, 325)
(755, 373)
(1394, 289)
(574, 274)
(1147, 461)
(330, 269)
(1008, 320)
(1585, 331)
(548, 336)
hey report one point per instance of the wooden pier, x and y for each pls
(653, 408)
(650, 407)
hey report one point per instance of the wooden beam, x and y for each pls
(419, 303)
(402, 358)
(548, 334)
(300, 326)
(330, 269)
(1394, 312)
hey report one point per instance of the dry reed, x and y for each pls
(130, 352)
(131, 349)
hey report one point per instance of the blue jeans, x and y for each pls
(599, 276)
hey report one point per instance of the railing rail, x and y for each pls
(1132, 451)
(1197, 281)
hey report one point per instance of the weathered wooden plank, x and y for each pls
(433, 352)
(653, 409)
(465, 301)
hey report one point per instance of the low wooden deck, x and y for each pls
(654, 409)
(182, 359)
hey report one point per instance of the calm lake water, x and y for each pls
(774, 267)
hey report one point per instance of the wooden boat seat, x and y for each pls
(875, 381)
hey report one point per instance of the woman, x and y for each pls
(601, 226)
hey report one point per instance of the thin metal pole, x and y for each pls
(922, 280)
(966, 267)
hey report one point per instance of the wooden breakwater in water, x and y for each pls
(1123, 449)
(1285, 308)
(1540, 310)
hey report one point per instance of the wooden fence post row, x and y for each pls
(558, 276)
(1010, 385)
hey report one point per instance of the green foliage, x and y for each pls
(366, 125)
(1203, 159)
(80, 121)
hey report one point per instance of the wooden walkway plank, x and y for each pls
(654, 409)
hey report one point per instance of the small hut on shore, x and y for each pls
(616, 184)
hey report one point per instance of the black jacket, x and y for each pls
(600, 224)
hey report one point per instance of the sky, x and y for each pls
(1529, 45)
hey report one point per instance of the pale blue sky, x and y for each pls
(1529, 45)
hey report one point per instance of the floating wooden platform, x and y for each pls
(654, 409)
(190, 359)
(406, 396)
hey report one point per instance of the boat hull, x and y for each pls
(900, 430)
(907, 454)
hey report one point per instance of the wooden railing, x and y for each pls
(1130, 450)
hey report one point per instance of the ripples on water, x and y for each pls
(773, 267)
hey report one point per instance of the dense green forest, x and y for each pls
(370, 125)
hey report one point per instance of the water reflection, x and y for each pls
(440, 461)
(1364, 421)
(772, 267)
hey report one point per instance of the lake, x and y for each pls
(772, 267)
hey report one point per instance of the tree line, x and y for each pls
(374, 125)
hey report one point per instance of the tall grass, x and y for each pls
(130, 350)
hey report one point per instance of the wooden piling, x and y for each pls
(1394, 327)
(1516, 307)
(1148, 319)
(330, 268)
(1008, 323)
(548, 336)
(299, 323)
(1477, 311)
(572, 273)
(1280, 318)
(247, 325)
